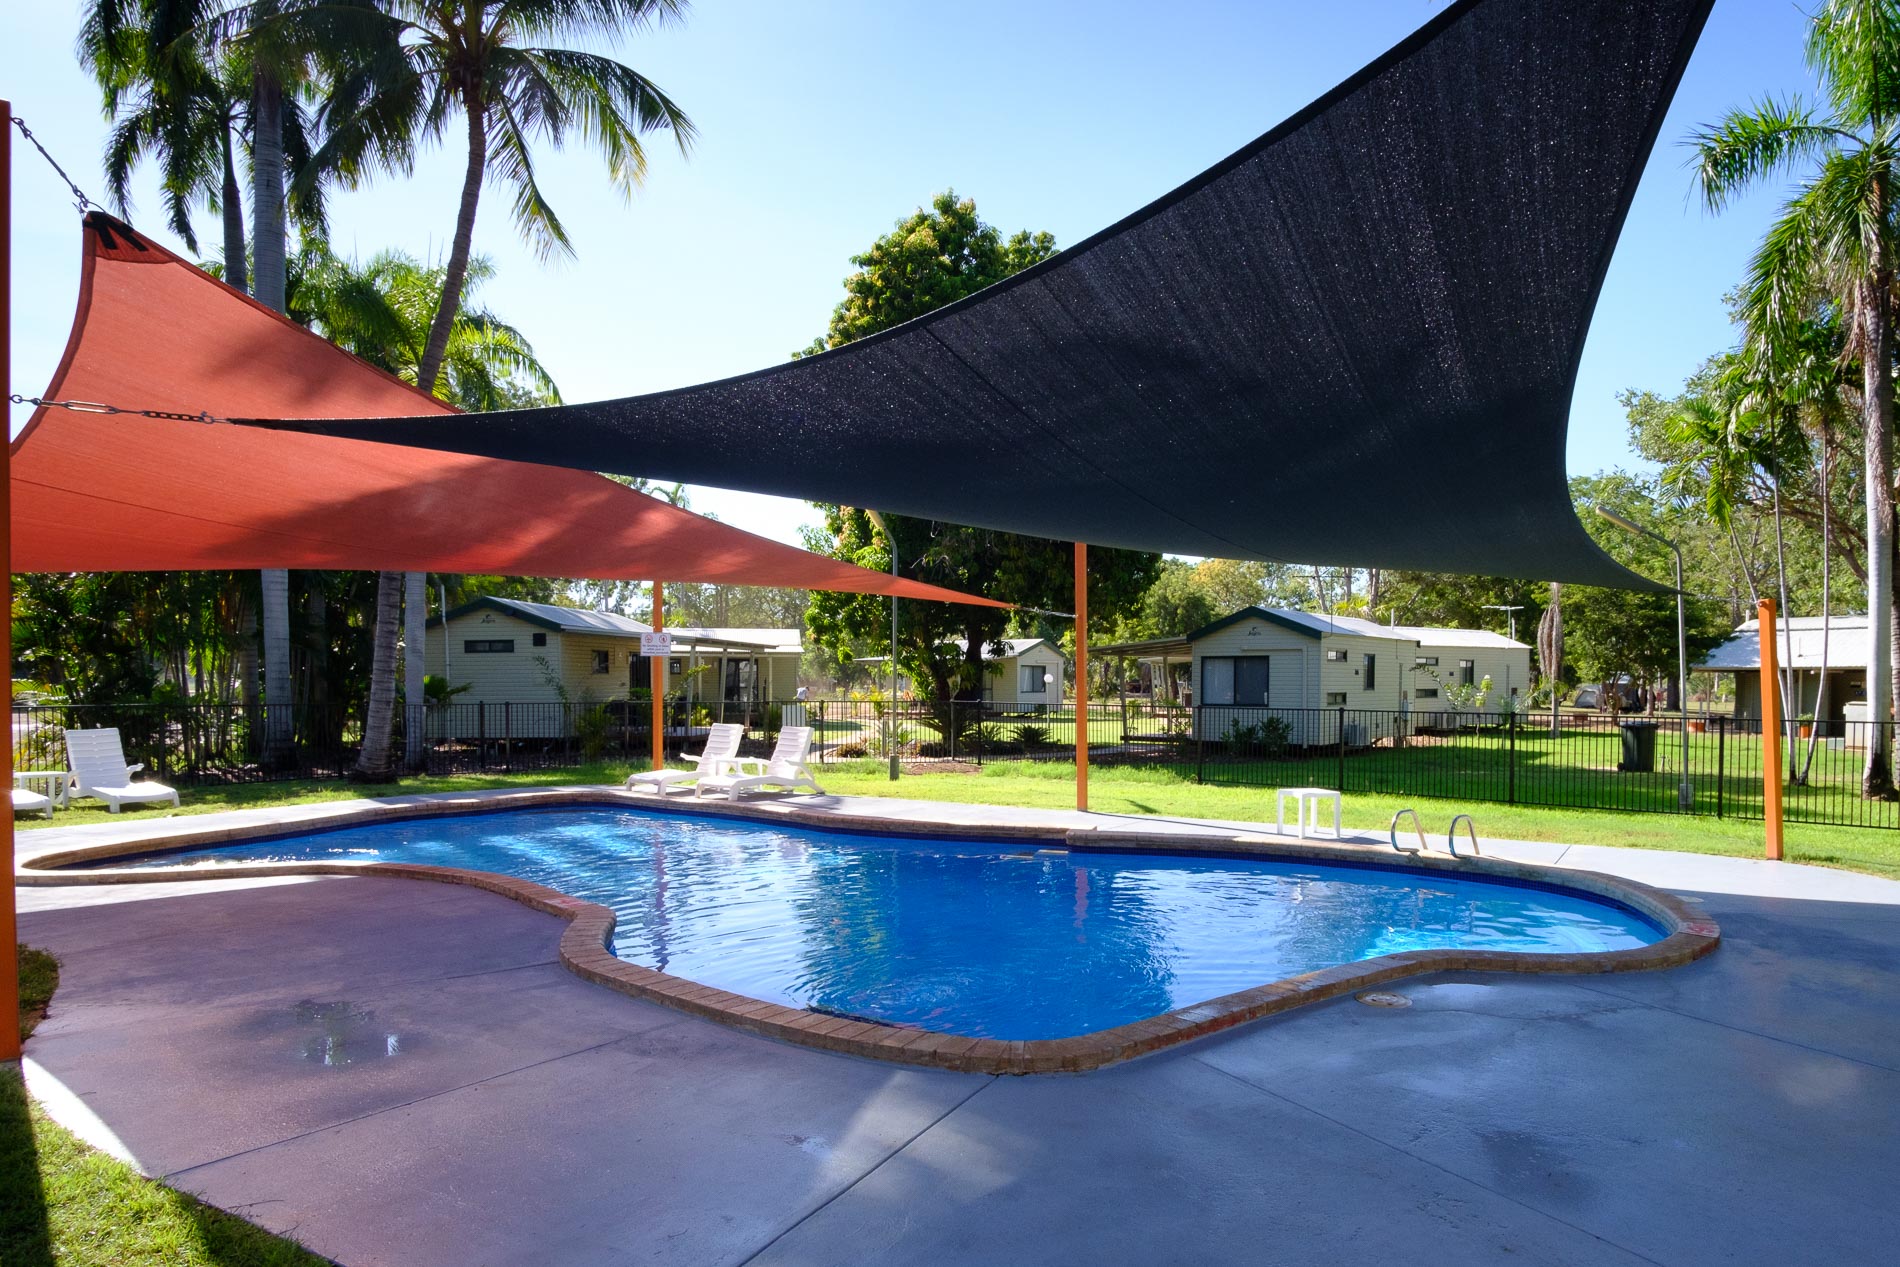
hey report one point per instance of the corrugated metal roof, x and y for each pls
(611, 624)
(1846, 645)
(1322, 624)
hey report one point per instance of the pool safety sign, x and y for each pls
(660, 643)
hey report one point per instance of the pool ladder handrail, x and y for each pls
(1392, 831)
(1471, 834)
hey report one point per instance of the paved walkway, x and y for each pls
(400, 1073)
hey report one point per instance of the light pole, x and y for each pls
(890, 707)
(1685, 793)
(1508, 610)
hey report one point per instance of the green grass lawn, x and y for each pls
(62, 1202)
(1125, 790)
(1138, 790)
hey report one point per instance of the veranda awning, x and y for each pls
(110, 492)
(1352, 342)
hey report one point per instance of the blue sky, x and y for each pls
(821, 124)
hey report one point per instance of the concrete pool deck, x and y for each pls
(401, 1072)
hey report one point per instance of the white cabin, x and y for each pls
(1295, 664)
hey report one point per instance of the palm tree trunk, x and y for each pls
(383, 658)
(267, 190)
(1550, 653)
(374, 764)
(415, 614)
(452, 279)
(230, 203)
(267, 249)
(1877, 392)
(278, 726)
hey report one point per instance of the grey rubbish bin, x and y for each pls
(1639, 746)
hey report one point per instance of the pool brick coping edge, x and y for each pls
(585, 942)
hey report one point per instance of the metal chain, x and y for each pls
(80, 200)
(94, 407)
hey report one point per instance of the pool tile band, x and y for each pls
(585, 942)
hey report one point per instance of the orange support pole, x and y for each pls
(1770, 730)
(9, 922)
(1081, 676)
(656, 683)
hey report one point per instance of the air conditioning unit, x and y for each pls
(1355, 734)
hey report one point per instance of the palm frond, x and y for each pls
(1854, 47)
(512, 163)
(1751, 145)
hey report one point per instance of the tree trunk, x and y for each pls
(1550, 652)
(415, 615)
(278, 712)
(267, 191)
(231, 204)
(452, 279)
(1877, 392)
(376, 764)
(267, 249)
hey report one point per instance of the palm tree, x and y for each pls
(188, 115)
(381, 311)
(172, 57)
(403, 69)
(1836, 237)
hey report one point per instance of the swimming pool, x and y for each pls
(967, 937)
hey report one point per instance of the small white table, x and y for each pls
(1303, 797)
(56, 783)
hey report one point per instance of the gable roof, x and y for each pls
(1012, 647)
(1798, 642)
(1317, 625)
(561, 619)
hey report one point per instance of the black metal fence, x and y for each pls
(1588, 761)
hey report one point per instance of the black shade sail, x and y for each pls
(1352, 342)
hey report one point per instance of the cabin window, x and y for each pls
(1335, 699)
(1372, 672)
(1427, 692)
(540, 640)
(488, 646)
(600, 661)
(1339, 656)
(1431, 660)
(1029, 679)
(1467, 673)
(1234, 679)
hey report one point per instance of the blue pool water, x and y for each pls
(988, 939)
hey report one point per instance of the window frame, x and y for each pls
(1369, 663)
(488, 646)
(602, 661)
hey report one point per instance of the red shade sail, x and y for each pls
(114, 492)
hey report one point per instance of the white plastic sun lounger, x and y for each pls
(784, 768)
(722, 744)
(100, 771)
(25, 800)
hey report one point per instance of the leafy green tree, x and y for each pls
(1025, 570)
(929, 259)
(1835, 241)
(1611, 632)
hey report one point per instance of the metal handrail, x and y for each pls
(1393, 830)
(1471, 833)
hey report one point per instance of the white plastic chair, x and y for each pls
(722, 743)
(784, 768)
(100, 771)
